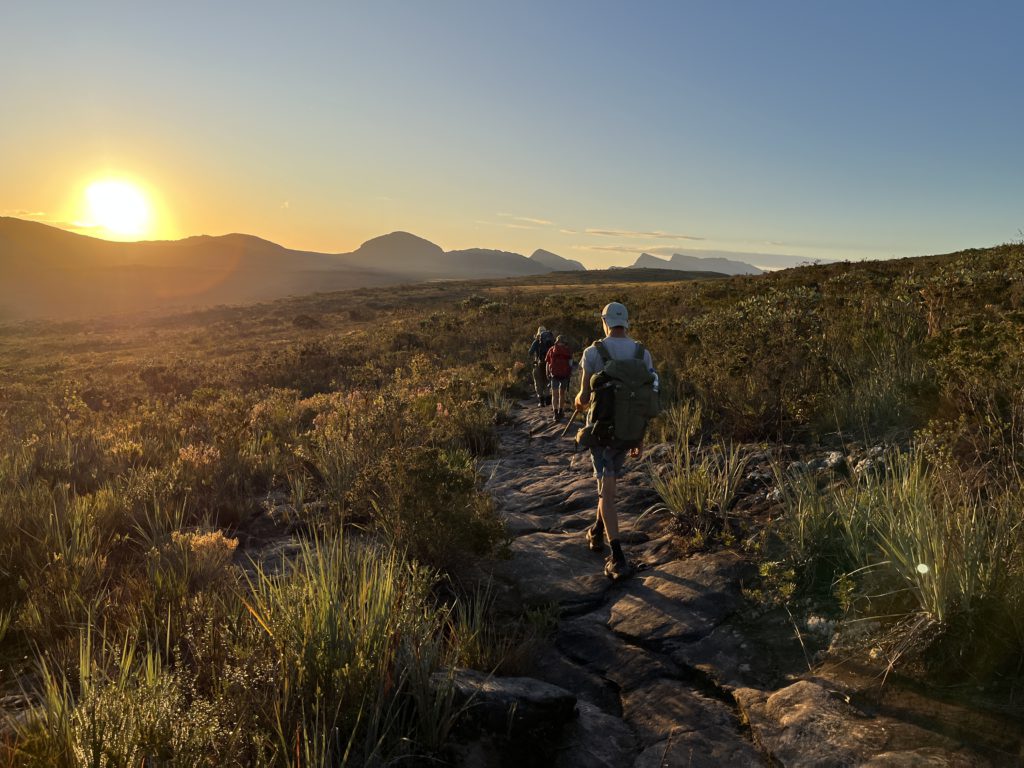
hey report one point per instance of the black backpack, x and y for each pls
(544, 342)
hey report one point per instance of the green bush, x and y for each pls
(430, 505)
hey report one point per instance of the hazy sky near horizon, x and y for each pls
(593, 129)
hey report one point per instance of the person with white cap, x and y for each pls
(608, 461)
(542, 342)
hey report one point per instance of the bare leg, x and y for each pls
(606, 507)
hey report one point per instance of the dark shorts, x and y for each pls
(559, 383)
(608, 462)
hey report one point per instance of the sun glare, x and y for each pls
(119, 207)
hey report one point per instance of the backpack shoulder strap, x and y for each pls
(602, 351)
(639, 353)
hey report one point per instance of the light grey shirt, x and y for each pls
(619, 348)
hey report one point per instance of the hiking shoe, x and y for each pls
(618, 569)
(595, 540)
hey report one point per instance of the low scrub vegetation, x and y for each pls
(152, 467)
(149, 465)
(924, 356)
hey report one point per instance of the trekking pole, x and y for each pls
(568, 424)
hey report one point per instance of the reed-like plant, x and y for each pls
(356, 649)
(924, 552)
(698, 487)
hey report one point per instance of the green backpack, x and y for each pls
(623, 401)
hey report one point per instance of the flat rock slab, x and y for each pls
(679, 601)
(523, 523)
(554, 568)
(588, 641)
(927, 757)
(665, 707)
(805, 724)
(596, 740)
(654, 659)
(733, 659)
(712, 748)
(552, 666)
(546, 487)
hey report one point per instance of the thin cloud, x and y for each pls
(507, 224)
(42, 217)
(617, 248)
(286, 205)
(568, 231)
(527, 219)
(77, 225)
(22, 214)
(639, 234)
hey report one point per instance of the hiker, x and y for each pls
(542, 342)
(615, 425)
(559, 369)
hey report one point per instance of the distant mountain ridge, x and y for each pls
(47, 271)
(687, 263)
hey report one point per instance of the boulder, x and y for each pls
(835, 460)
(508, 706)
(806, 724)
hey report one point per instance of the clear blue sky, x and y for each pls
(593, 129)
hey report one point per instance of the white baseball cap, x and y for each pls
(614, 315)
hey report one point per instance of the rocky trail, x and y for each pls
(674, 667)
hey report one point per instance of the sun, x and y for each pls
(120, 207)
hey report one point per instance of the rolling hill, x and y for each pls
(50, 272)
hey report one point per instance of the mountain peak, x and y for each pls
(399, 240)
(687, 263)
(649, 261)
(556, 262)
(232, 238)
